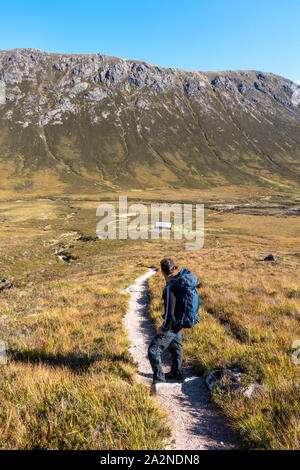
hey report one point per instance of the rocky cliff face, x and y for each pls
(73, 122)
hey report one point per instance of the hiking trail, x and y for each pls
(195, 421)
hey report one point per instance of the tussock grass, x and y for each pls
(69, 378)
(69, 381)
(250, 317)
(51, 408)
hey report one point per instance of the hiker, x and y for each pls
(169, 335)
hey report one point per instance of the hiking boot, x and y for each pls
(174, 377)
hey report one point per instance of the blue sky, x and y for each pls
(189, 34)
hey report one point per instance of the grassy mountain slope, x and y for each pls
(84, 123)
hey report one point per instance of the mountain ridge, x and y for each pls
(91, 54)
(91, 121)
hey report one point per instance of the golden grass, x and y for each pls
(250, 318)
(69, 382)
(69, 378)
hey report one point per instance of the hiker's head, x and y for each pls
(168, 267)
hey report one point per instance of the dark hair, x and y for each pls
(167, 266)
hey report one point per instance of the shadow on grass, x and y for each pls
(76, 362)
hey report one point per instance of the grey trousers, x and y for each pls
(172, 341)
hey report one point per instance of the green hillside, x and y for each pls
(84, 123)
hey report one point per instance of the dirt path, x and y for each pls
(195, 421)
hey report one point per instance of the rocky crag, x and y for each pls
(89, 122)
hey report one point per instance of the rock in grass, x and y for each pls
(223, 379)
(5, 284)
(249, 391)
(63, 256)
(230, 380)
(270, 258)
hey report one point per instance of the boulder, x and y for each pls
(230, 380)
(270, 258)
(5, 284)
(223, 379)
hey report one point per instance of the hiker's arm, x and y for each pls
(171, 311)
